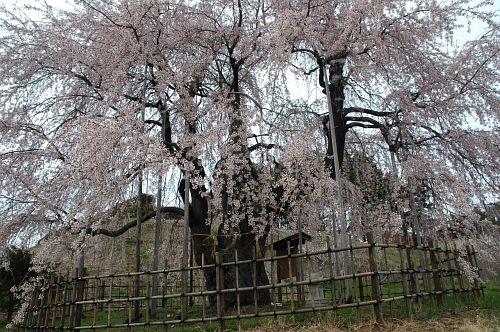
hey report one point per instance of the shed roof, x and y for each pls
(293, 239)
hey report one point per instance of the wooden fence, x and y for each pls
(381, 273)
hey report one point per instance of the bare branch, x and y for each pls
(148, 216)
(367, 111)
(261, 145)
(371, 121)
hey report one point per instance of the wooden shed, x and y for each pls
(281, 247)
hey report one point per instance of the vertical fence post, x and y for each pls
(64, 300)
(254, 278)
(56, 301)
(80, 296)
(474, 268)
(72, 307)
(353, 271)
(110, 296)
(41, 307)
(361, 289)
(388, 278)
(404, 279)
(219, 284)
(102, 289)
(237, 272)
(203, 287)
(191, 271)
(95, 296)
(372, 259)
(185, 246)
(411, 268)
(291, 287)
(311, 293)
(45, 303)
(415, 274)
(426, 276)
(457, 268)
(273, 280)
(436, 273)
(449, 273)
(441, 259)
(148, 310)
(31, 309)
(165, 293)
(330, 267)
(50, 300)
(131, 291)
(476, 265)
(46, 293)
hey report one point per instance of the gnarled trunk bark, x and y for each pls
(205, 248)
(242, 248)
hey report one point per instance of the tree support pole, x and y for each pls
(375, 280)
(156, 249)
(137, 286)
(185, 248)
(341, 211)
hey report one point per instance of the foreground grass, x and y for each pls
(464, 323)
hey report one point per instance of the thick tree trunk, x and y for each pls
(245, 247)
(201, 239)
(205, 247)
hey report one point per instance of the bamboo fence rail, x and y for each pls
(382, 274)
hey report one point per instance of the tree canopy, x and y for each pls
(102, 90)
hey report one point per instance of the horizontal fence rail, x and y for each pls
(298, 282)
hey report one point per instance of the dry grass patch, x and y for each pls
(462, 321)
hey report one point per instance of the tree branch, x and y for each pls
(153, 122)
(148, 216)
(371, 121)
(263, 145)
(362, 125)
(367, 111)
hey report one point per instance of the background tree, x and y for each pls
(14, 271)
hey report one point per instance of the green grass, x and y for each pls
(489, 304)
